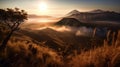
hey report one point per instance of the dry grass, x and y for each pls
(105, 56)
(22, 54)
(27, 54)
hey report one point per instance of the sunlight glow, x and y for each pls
(43, 6)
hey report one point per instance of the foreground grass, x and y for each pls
(23, 52)
(105, 56)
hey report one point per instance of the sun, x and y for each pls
(43, 6)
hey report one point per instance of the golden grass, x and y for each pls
(105, 56)
(20, 54)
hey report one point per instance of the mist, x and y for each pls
(76, 30)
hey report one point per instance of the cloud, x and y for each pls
(38, 16)
(76, 30)
(32, 18)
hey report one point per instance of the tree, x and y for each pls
(12, 18)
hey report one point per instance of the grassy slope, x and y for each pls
(105, 56)
(23, 51)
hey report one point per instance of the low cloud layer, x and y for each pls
(77, 30)
(42, 19)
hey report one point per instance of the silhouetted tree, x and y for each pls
(12, 18)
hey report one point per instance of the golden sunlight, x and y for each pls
(43, 6)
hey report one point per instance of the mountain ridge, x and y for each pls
(73, 12)
(94, 15)
(69, 22)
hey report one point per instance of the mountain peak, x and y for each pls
(69, 22)
(97, 11)
(73, 12)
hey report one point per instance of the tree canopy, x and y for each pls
(12, 17)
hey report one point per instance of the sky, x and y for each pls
(60, 7)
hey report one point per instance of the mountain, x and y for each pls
(69, 22)
(95, 15)
(73, 12)
(93, 18)
(97, 11)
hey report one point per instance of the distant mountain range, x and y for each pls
(97, 11)
(95, 17)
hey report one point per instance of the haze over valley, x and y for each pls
(59, 33)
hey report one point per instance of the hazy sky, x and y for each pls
(60, 7)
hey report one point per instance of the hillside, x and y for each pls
(31, 47)
(48, 47)
(90, 24)
(60, 41)
(69, 22)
